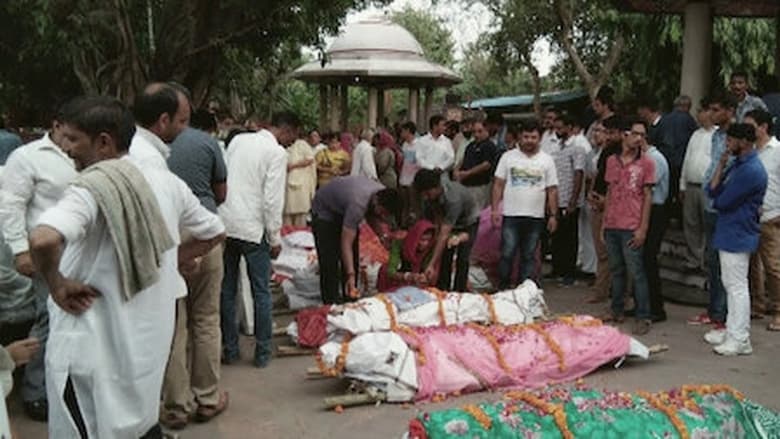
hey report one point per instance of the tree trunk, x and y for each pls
(536, 80)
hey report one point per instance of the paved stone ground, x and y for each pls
(277, 402)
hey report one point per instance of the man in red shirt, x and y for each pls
(630, 176)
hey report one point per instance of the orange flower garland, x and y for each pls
(341, 360)
(480, 415)
(575, 323)
(491, 308)
(409, 331)
(669, 411)
(556, 410)
(390, 310)
(440, 295)
(553, 345)
(494, 344)
(712, 389)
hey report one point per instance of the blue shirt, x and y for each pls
(661, 187)
(8, 143)
(718, 146)
(738, 200)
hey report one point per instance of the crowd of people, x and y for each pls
(133, 223)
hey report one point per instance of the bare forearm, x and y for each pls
(197, 248)
(498, 193)
(575, 194)
(647, 205)
(46, 246)
(347, 256)
(552, 201)
(441, 243)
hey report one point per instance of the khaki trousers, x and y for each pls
(295, 219)
(603, 279)
(765, 271)
(192, 376)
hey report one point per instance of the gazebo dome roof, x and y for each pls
(376, 52)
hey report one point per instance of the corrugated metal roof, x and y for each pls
(555, 97)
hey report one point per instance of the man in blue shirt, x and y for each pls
(722, 108)
(737, 192)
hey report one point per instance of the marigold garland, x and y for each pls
(421, 359)
(579, 323)
(494, 344)
(669, 411)
(480, 415)
(552, 344)
(710, 390)
(341, 360)
(440, 296)
(390, 310)
(555, 410)
(491, 308)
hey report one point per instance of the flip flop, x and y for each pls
(206, 413)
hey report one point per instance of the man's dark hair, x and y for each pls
(409, 126)
(567, 119)
(513, 129)
(705, 102)
(100, 114)
(434, 120)
(453, 125)
(762, 117)
(739, 74)
(285, 118)
(312, 131)
(181, 89)
(531, 125)
(613, 122)
(725, 100)
(329, 136)
(742, 131)
(204, 120)
(606, 96)
(390, 200)
(426, 179)
(153, 102)
(494, 119)
(629, 123)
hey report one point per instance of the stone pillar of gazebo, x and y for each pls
(373, 106)
(323, 119)
(344, 96)
(335, 111)
(697, 51)
(380, 114)
(428, 104)
(414, 105)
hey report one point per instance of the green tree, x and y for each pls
(435, 39)
(115, 47)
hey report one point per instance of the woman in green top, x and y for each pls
(409, 257)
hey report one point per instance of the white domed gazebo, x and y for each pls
(378, 55)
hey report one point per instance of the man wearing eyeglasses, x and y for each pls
(630, 176)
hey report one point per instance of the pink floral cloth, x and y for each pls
(462, 359)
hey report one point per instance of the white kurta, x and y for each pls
(115, 353)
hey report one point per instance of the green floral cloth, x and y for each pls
(604, 415)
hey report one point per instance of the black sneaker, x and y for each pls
(37, 410)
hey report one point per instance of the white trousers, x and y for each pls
(586, 255)
(734, 269)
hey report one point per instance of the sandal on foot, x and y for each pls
(206, 413)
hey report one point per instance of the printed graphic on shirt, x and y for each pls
(525, 177)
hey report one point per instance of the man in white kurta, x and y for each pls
(363, 162)
(115, 352)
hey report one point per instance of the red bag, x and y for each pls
(312, 326)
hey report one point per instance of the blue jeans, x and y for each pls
(523, 233)
(622, 259)
(258, 264)
(34, 384)
(717, 306)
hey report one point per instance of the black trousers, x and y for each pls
(327, 238)
(564, 244)
(463, 253)
(75, 412)
(659, 220)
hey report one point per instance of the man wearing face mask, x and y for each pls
(737, 193)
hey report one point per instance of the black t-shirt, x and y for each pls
(476, 154)
(600, 184)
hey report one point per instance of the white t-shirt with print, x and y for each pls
(527, 179)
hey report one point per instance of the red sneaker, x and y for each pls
(701, 319)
